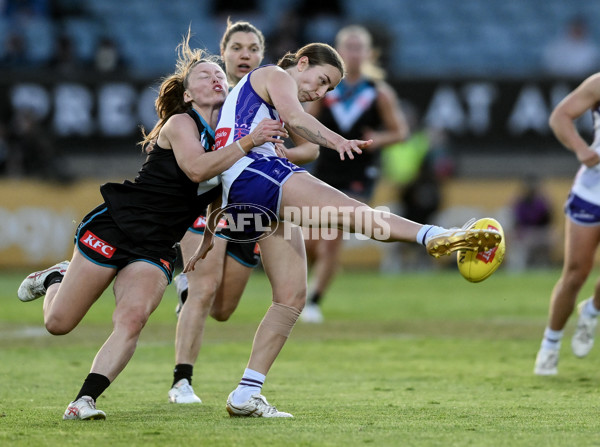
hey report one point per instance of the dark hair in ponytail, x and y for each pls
(317, 54)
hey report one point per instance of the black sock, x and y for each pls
(94, 386)
(183, 371)
(184, 296)
(53, 278)
(314, 298)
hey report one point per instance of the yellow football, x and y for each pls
(477, 266)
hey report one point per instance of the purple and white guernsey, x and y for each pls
(259, 184)
(587, 180)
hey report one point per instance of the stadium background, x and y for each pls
(471, 67)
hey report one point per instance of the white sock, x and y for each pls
(589, 309)
(552, 339)
(251, 384)
(427, 232)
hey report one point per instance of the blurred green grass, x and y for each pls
(412, 359)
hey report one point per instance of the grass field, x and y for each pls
(406, 360)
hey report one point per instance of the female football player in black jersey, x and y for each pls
(130, 237)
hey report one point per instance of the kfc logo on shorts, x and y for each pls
(92, 241)
(221, 137)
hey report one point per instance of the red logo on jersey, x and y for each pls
(200, 223)
(221, 137)
(166, 265)
(92, 241)
(488, 256)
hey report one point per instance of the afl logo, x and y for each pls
(247, 222)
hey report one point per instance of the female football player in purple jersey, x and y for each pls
(582, 230)
(267, 182)
(216, 286)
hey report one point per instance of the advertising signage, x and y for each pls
(102, 114)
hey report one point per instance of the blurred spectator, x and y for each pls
(15, 51)
(532, 235)
(234, 7)
(65, 60)
(31, 153)
(107, 58)
(22, 9)
(321, 19)
(285, 36)
(574, 54)
(4, 151)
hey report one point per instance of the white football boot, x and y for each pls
(32, 287)
(583, 338)
(311, 314)
(546, 362)
(83, 409)
(255, 407)
(183, 393)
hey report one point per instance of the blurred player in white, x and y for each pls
(582, 230)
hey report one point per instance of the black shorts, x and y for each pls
(102, 242)
(246, 253)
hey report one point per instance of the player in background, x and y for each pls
(582, 230)
(133, 233)
(278, 186)
(362, 106)
(216, 286)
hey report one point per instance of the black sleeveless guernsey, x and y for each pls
(156, 209)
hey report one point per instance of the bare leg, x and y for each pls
(580, 247)
(305, 190)
(66, 303)
(235, 278)
(326, 263)
(285, 265)
(204, 282)
(135, 300)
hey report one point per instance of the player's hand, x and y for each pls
(589, 158)
(281, 150)
(150, 146)
(349, 147)
(205, 246)
(268, 131)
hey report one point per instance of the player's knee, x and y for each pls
(295, 297)
(575, 276)
(57, 326)
(131, 322)
(221, 314)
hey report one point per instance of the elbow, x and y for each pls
(552, 120)
(556, 118)
(194, 177)
(199, 177)
(314, 154)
